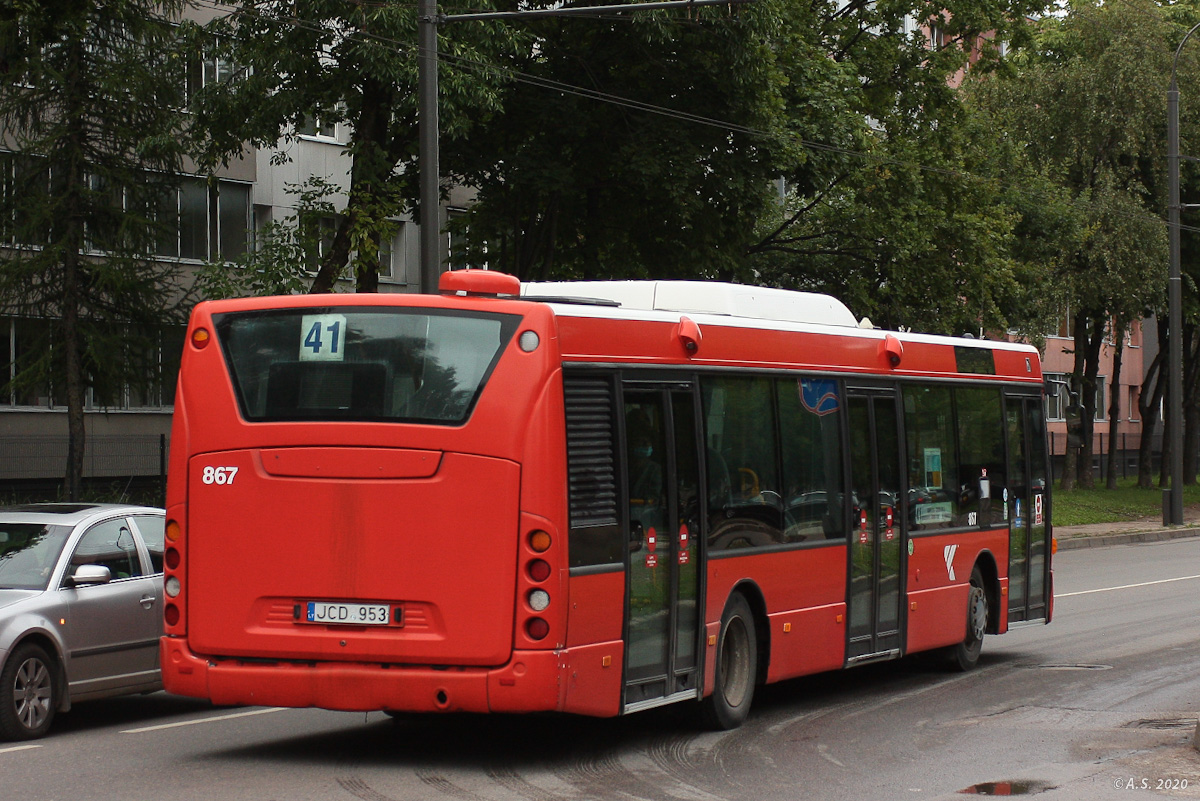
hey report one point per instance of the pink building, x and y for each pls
(1058, 361)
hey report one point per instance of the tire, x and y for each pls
(965, 655)
(736, 669)
(28, 695)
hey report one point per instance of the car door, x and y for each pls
(111, 630)
(151, 530)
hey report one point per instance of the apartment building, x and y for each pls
(127, 429)
(1123, 432)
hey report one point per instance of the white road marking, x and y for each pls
(1125, 586)
(205, 720)
(10, 749)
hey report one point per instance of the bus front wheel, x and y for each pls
(736, 668)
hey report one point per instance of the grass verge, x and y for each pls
(1126, 502)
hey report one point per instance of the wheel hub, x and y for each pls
(978, 613)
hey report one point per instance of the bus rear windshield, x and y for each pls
(353, 364)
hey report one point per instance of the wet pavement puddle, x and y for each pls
(1019, 787)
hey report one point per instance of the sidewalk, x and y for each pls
(1098, 535)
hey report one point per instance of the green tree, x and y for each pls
(670, 138)
(911, 220)
(1088, 102)
(329, 62)
(638, 146)
(89, 99)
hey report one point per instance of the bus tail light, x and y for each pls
(541, 614)
(174, 576)
(539, 570)
(539, 600)
(201, 338)
(537, 628)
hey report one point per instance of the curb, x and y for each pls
(1126, 538)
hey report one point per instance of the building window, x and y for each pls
(1057, 403)
(317, 127)
(202, 221)
(1101, 398)
(391, 254)
(458, 255)
(205, 71)
(24, 176)
(28, 345)
(317, 233)
(231, 216)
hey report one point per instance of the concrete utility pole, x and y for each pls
(1173, 497)
(427, 144)
(428, 156)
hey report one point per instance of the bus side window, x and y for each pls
(744, 493)
(810, 442)
(933, 488)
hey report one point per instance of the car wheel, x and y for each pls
(27, 694)
(737, 667)
(965, 655)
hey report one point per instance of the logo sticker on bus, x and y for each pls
(322, 337)
(949, 554)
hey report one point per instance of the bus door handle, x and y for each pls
(636, 533)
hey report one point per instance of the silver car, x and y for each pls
(80, 608)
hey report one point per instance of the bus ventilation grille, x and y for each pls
(591, 449)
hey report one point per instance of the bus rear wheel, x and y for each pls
(965, 655)
(736, 669)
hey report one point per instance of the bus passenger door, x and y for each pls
(877, 535)
(1028, 511)
(662, 481)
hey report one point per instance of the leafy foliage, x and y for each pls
(1087, 102)
(89, 100)
(354, 64)
(913, 222)
(285, 250)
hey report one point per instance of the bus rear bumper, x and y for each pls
(532, 681)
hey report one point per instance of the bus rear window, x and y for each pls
(349, 363)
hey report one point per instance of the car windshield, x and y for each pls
(28, 553)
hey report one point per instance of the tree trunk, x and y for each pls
(1149, 402)
(1089, 337)
(1114, 407)
(68, 237)
(1191, 402)
(369, 172)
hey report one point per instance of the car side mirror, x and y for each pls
(86, 575)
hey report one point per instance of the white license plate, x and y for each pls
(349, 614)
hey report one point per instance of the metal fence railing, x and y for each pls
(104, 456)
(1128, 454)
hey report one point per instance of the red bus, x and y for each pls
(593, 497)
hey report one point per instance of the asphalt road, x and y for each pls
(1101, 704)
